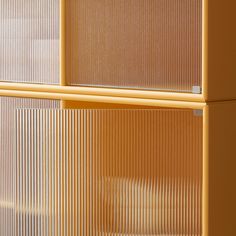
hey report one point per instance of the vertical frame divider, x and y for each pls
(62, 46)
(205, 167)
(219, 163)
(205, 49)
(62, 42)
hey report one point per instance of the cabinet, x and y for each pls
(125, 121)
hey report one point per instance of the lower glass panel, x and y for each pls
(8, 105)
(116, 172)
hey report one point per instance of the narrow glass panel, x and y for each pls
(144, 44)
(109, 172)
(29, 41)
(7, 156)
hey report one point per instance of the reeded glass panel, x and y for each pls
(147, 44)
(7, 156)
(109, 172)
(29, 41)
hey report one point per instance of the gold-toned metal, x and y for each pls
(97, 105)
(219, 194)
(204, 48)
(219, 37)
(104, 99)
(205, 166)
(113, 92)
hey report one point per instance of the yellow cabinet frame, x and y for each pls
(218, 102)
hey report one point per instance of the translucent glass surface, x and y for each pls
(109, 172)
(7, 156)
(29, 41)
(146, 44)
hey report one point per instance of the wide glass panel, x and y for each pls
(7, 156)
(29, 41)
(144, 44)
(116, 172)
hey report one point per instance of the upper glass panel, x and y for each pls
(29, 41)
(144, 44)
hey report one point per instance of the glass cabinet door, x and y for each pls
(8, 106)
(29, 41)
(142, 44)
(116, 172)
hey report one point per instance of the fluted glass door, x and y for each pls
(116, 172)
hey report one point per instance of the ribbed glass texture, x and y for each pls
(145, 44)
(7, 156)
(109, 172)
(29, 41)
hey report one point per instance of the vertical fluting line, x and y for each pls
(63, 42)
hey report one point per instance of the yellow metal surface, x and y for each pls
(219, 163)
(128, 93)
(104, 99)
(97, 105)
(219, 48)
(204, 48)
(205, 171)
